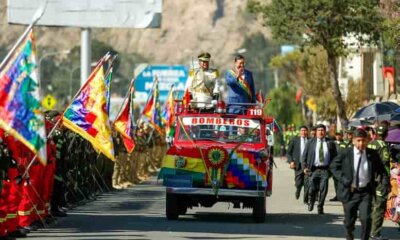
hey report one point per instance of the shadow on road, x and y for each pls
(130, 213)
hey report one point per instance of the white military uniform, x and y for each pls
(203, 85)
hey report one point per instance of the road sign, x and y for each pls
(49, 102)
(166, 75)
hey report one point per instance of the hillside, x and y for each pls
(188, 27)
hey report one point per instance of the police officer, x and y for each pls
(348, 140)
(203, 83)
(379, 202)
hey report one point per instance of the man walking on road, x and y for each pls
(315, 162)
(357, 170)
(295, 150)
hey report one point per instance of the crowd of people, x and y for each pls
(364, 169)
(34, 195)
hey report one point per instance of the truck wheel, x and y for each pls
(182, 209)
(171, 208)
(259, 210)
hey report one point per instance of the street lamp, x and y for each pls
(45, 56)
(70, 81)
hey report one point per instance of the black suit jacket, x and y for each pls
(308, 157)
(293, 152)
(342, 167)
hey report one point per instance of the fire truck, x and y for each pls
(215, 157)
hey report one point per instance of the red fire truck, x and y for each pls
(218, 157)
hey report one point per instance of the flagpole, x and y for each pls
(34, 158)
(102, 60)
(38, 14)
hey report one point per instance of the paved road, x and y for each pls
(138, 213)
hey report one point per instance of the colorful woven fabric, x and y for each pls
(20, 109)
(152, 110)
(168, 114)
(87, 114)
(246, 170)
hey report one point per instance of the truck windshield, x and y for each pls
(220, 129)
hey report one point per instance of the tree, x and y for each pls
(285, 112)
(308, 71)
(324, 23)
(259, 51)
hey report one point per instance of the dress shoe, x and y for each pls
(334, 199)
(17, 234)
(58, 214)
(297, 194)
(377, 238)
(349, 236)
(310, 206)
(22, 230)
(320, 211)
(30, 228)
(7, 238)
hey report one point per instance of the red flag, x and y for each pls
(298, 95)
(152, 110)
(124, 121)
(260, 97)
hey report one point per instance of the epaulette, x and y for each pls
(191, 72)
(214, 73)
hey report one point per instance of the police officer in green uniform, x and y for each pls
(379, 202)
(348, 140)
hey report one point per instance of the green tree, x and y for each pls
(282, 106)
(259, 51)
(308, 70)
(324, 23)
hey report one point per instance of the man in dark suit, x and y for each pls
(295, 150)
(316, 158)
(358, 170)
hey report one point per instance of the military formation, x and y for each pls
(316, 158)
(132, 168)
(34, 195)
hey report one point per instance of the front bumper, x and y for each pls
(221, 192)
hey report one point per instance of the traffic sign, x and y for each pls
(49, 102)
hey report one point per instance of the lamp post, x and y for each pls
(44, 56)
(70, 81)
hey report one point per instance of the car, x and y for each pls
(218, 157)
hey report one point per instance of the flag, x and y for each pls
(168, 113)
(21, 115)
(299, 93)
(124, 121)
(260, 97)
(87, 114)
(152, 110)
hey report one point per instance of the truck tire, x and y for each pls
(182, 209)
(259, 210)
(171, 208)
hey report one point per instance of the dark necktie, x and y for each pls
(358, 171)
(321, 152)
